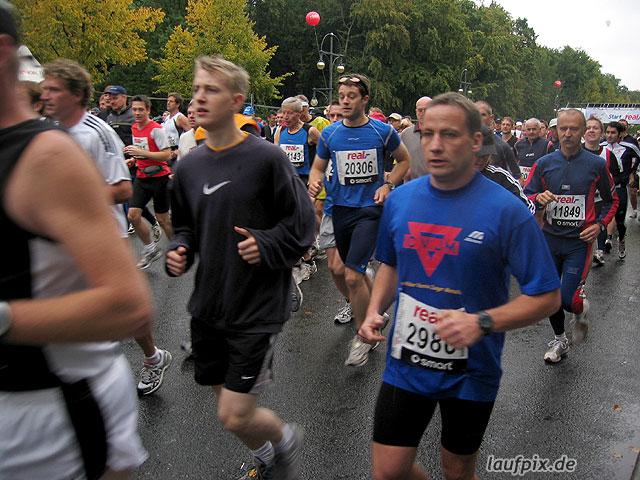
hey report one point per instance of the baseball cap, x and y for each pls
(378, 116)
(553, 122)
(248, 110)
(488, 145)
(117, 90)
(396, 116)
(518, 123)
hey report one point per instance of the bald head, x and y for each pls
(421, 105)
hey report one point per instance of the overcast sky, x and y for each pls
(605, 29)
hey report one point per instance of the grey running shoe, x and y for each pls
(308, 270)
(557, 348)
(621, 250)
(296, 297)
(156, 232)
(152, 375)
(147, 259)
(345, 315)
(359, 352)
(579, 324)
(598, 258)
(288, 463)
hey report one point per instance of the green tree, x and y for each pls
(217, 27)
(95, 33)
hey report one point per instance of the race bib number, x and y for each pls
(295, 153)
(415, 342)
(356, 167)
(328, 173)
(140, 142)
(567, 211)
(173, 141)
(525, 173)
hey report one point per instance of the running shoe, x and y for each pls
(148, 258)
(152, 375)
(296, 297)
(131, 230)
(345, 315)
(188, 348)
(634, 214)
(263, 472)
(621, 249)
(579, 324)
(608, 245)
(598, 258)
(557, 348)
(314, 250)
(308, 269)
(288, 463)
(156, 232)
(359, 352)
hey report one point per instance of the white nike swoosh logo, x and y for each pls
(246, 378)
(209, 190)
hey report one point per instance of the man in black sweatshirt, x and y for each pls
(239, 205)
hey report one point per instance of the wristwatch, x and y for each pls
(602, 227)
(485, 322)
(391, 185)
(5, 318)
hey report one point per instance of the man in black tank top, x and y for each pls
(68, 290)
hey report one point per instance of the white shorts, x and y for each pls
(37, 440)
(326, 237)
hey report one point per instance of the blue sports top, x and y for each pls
(456, 250)
(574, 181)
(357, 157)
(296, 146)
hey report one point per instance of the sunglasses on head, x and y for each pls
(356, 80)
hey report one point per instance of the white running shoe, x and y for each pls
(345, 315)
(557, 348)
(359, 353)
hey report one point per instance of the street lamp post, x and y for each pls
(465, 85)
(333, 58)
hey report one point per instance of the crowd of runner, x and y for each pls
(434, 216)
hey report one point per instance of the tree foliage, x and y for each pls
(217, 27)
(95, 33)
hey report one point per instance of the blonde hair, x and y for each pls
(237, 78)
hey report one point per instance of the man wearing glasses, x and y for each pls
(355, 146)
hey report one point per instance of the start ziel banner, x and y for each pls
(606, 115)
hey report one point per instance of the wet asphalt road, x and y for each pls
(586, 408)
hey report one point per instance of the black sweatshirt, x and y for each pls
(250, 185)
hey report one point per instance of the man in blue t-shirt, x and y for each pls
(356, 147)
(448, 243)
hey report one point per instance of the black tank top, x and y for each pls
(22, 367)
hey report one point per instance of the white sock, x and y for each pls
(264, 455)
(155, 358)
(287, 439)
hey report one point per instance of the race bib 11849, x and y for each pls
(567, 211)
(415, 342)
(356, 167)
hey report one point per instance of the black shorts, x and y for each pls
(356, 232)
(156, 188)
(239, 361)
(401, 418)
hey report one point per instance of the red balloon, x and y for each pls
(313, 18)
(557, 83)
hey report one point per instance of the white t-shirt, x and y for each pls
(100, 141)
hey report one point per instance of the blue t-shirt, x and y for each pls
(456, 249)
(357, 156)
(296, 147)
